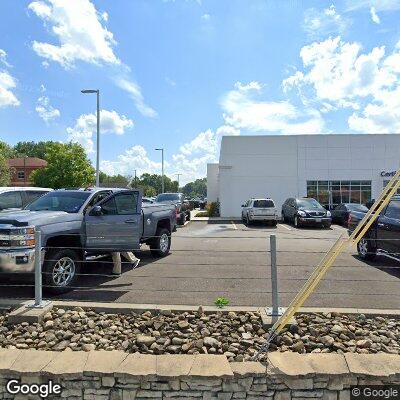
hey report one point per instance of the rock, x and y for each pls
(327, 340)
(211, 342)
(287, 340)
(47, 317)
(61, 346)
(146, 340)
(88, 347)
(60, 312)
(337, 329)
(298, 347)
(49, 325)
(178, 340)
(183, 324)
(246, 335)
(364, 343)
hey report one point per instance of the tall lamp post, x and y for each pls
(162, 168)
(178, 175)
(97, 91)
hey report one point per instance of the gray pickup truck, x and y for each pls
(78, 223)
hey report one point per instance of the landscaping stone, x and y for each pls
(238, 335)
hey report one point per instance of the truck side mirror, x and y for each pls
(96, 210)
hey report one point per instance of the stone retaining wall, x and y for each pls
(118, 375)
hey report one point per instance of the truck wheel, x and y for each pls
(161, 244)
(60, 270)
(365, 249)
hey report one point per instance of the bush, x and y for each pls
(213, 209)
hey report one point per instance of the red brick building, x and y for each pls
(22, 168)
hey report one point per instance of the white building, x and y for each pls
(331, 168)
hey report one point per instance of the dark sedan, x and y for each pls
(340, 214)
(305, 212)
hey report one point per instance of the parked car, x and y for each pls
(78, 223)
(147, 200)
(259, 210)
(181, 204)
(19, 197)
(383, 236)
(340, 214)
(305, 211)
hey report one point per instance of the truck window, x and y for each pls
(126, 203)
(393, 210)
(10, 200)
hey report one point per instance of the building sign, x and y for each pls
(388, 173)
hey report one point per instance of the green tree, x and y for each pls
(5, 171)
(68, 166)
(197, 188)
(152, 183)
(113, 180)
(33, 149)
(6, 150)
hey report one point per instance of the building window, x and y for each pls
(332, 193)
(385, 182)
(21, 174)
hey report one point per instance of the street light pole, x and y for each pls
(97, 91)
(162, 169)
(178, 175)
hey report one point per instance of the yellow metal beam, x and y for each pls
(330, 257)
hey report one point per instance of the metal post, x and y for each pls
(98, 141)
(274, 275)
(38, 303)
(275, 310)
(162, 176)
(38, 269)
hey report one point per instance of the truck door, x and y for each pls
(114, 224)
(388, 229)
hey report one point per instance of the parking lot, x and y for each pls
(209, 260)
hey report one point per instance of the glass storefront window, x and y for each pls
(332, 193)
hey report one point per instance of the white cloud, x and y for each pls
(338, 75)
(374, 16)
(135, 93)
(86, 125)
(7, 84)
(243, 110)
(80, 34)
(134, 158)
(206, 17)
(320, 23)
(204, 142)
(45, 110)
(336, 71)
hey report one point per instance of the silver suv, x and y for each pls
(259, 210)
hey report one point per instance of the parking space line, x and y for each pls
(234, 225)
(286, 227)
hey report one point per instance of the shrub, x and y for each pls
(213, 209)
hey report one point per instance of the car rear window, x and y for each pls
(264, 204)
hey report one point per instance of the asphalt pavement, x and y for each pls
(210, 260)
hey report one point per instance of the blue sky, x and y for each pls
(179, 74)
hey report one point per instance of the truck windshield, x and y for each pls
(264, 204)
(70, 202)
(167, 197)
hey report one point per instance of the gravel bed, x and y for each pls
(237, 335)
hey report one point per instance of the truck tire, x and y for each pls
(161, 244)
(60, 270)
(365, 248)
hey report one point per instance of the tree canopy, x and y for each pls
(113, 180)
(197, 188)
(151, 184)
(68, 166)
(33, 149)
